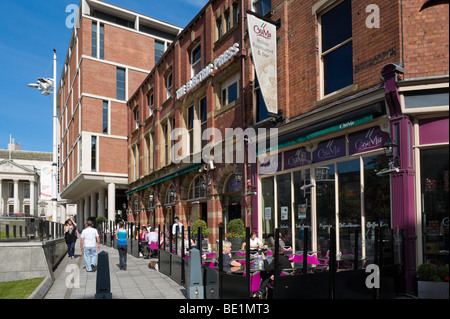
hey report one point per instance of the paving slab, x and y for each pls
(72, 281)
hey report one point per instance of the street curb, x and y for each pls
(42, 289)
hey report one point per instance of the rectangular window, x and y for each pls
(150, 104)
(349, 203)
(236, 13)
(120, 84)
(159, 50)
(227, 21)
(326, 215)
(230, 91)
(94, 154)
(268, 208)
(203, 119)
(336, 47)
(148, 152)
(134, 164)
(26, 190)
(190, 127)
(153, 152)
(196, 60)
(284, 209)
(262, 7)
(302, 208)
(102, 41)
(165, 143)
(105, 116)
(94, 39)
(169, 85)
(136, 118)
(219, 28)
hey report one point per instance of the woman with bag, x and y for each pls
(70, 236)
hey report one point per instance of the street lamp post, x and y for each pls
(48, 86)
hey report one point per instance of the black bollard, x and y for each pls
(103, 290)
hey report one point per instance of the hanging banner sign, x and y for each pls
(46, 182)
(262, 37)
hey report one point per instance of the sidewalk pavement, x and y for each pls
(137, 282)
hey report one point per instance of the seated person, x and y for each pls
(143, 240)
(151, 237)
(228, 261)
(283, 263)
(255, 242)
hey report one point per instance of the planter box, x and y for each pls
(432, 290)
(236, 243)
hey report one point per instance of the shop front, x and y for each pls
(328, 179)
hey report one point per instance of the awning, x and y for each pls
(178, 172)
(337, 123)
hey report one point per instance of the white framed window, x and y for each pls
(150, 104)
(169, 85)
(335, 47)
(229, 91)
(196, 60)
(136, 118)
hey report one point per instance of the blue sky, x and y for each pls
(29, 32)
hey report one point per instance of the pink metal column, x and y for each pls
(403, 203)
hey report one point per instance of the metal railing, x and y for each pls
(29, 228)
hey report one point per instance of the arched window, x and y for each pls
(198, 188)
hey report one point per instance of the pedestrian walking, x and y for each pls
(122, 245)
(70, 236)
(89, 238)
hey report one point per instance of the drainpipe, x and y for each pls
(402, 183)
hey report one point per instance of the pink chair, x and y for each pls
(255, 281)
(296, 258)
(269, 253)
(312, 259)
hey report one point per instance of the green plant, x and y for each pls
(442, 272)
(427, 272)
(235, 229)
(101, 219)
(202, 224)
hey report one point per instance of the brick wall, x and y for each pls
(426, 39)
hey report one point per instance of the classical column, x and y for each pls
(101, 202)
(16, 196)
(93, 212)
(32, 199)
(79, 218)
(111, 202)
(86, 209)
(1, 197)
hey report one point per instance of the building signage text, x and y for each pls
(208, 70)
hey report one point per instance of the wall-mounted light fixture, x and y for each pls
(391, 150)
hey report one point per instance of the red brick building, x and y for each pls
(110, 53)
(351, 75)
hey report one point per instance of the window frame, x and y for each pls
(151, 105)
(323, 54)
(197, 64)
(119, 88)
(169, 84)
